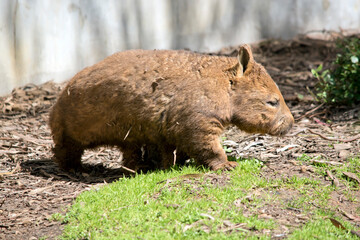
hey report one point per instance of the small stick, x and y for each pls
(334, 139)
(296, 133)
(127, 134)
(311, 111)
(174, 157)
(128, 169)
(13, 171)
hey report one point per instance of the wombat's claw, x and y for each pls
(226, 166)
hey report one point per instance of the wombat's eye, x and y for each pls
(231, 82)
(273, 103)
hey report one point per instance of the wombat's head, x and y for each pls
(257, 103)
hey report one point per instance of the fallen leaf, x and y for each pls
(204, 227)
(39, 190)
(229, 227)
(340, 226)
(337, 224)
(342, 146)
(327, 162)
(352, 176)
(343, 154)
(350, 216)
(356, 233)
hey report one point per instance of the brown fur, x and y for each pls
(165, 100)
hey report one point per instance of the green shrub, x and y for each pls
(341, 83)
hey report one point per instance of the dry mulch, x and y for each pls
(32, 188)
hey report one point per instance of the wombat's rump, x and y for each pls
(164, 101)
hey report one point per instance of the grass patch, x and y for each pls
(162, 205)
(322, 228)
(193, 203)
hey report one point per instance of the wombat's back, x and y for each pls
(136, 87)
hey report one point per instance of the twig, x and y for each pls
(334, 139)
(316, 114)
(7, 139)
(334, 179)
(296, 133)
(127, 134)
(128, 169)
(13, 171)
(311, 111)
(50, 175)
(174, 157)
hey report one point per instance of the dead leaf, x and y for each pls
(39, 190)
(352, 176)
(229, 227)
(342, 146)
(327, 162)
(343, 154)
(356, 233)
(350, 216)
(337, 224)
(204, 227)
(340, 226)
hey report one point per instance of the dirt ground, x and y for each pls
(32, 187)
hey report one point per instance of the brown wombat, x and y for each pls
(165, 100)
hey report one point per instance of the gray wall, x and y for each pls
(43, 40)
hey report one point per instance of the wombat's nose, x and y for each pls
(290, 121)
(291, 117)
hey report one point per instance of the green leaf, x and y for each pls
(354, 59)
(320, 67)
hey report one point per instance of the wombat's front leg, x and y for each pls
(211, 153)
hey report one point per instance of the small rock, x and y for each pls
(265, 216)
(303, 169)
(344, 154)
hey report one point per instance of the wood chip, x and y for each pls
(287, 147)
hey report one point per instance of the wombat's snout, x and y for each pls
(283, 125)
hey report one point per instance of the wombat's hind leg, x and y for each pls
(68, 154)
(132, 158)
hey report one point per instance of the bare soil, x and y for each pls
(32, 187)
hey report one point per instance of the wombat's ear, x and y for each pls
(245, 57)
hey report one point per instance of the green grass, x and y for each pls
(321, 228)
(162, 205)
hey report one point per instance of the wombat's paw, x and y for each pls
(227, 166)
(73, 168)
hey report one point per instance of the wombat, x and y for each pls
(165, 100)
